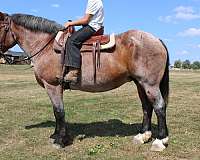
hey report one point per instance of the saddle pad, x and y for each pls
(109, 44)
(102, 39)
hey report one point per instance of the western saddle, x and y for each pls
(98, 40)
(97, 43)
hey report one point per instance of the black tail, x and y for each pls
(164, 85)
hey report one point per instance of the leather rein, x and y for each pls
(7, 27)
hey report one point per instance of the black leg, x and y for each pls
(145, 132)
(159, 106)
(147, 109)
(155, 97)
(160, 110)
(56, 132)
(61, 133)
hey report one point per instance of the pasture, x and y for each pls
(102, 124)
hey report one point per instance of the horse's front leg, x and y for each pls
(60, 136)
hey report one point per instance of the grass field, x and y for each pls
(103, 124)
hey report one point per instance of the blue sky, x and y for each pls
(177, 22)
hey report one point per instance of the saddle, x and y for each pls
(98, 40)
(91, 49)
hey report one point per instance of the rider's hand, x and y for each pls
(68, 24)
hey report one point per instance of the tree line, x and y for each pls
(187, 64)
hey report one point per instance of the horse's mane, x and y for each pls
(36, 23)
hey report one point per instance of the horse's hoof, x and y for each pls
(142, 138)
(138, 139)
(57, 146)
(54, 135)
(159, 145)
(62, 142)
(51, 140)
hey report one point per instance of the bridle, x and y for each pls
(6, 24)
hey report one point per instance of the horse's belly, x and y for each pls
(103, 74)
(100, 86)
(103, 79)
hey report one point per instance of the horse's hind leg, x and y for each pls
(145, 133)
(155, 97)
(60, 136)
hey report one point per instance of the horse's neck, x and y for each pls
(32, 42)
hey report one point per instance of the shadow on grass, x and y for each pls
(110, 128)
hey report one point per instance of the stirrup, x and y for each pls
(60, 79)
(65, 85)
(70, 81)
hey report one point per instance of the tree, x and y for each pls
(195, 65)
(177, 64)
(186, 64)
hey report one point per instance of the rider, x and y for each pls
(92, 21)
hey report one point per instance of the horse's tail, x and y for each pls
(164, 85)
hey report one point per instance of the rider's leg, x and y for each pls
(73, 56)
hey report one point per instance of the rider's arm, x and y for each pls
(82, 21)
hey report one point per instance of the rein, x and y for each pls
(38, 52)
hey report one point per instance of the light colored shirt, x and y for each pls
(95, 8)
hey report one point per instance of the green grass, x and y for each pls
(103, 124)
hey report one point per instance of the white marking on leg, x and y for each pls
(165, 140)
(56, 146)
(51, 140)
(142, 138)
(159, 145)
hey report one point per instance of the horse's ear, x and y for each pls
(2, 16)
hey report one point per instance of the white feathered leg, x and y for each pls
(159, 145)
(142, 138)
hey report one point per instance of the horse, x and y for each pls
(138, 56)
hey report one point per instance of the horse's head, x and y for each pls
(7, 38)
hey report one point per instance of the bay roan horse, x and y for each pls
(138, 56)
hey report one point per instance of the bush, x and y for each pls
(177, 64)
(186, 64)
(195, 65)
